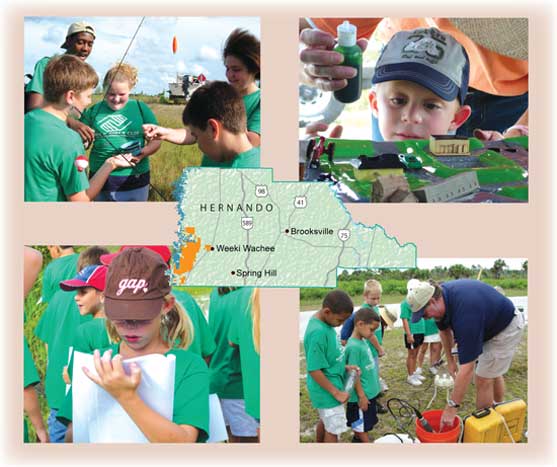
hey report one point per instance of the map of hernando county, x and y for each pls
(238, 227)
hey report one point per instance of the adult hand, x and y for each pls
(447, 418)
(154, 132)
(451, 366)
(321, 64)
(87, 133)
(513, 131)
(112, 377)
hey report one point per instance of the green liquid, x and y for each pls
(352, 57)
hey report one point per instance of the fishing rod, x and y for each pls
(92, 119)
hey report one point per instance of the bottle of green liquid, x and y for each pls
(346, 35)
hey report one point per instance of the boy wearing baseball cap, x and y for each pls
(89, 285)
(421, 81)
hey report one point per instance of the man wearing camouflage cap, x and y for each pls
(485, 324)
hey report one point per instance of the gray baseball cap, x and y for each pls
(428, 57)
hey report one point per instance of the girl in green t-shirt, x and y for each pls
(117, 121)
(147, 320)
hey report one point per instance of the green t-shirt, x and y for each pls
(406, 313)
(57, 328)
(30, 374)
(323, 352)
(358, 353)
(36, 83)
(115, 128)
(430, 327)
(50, 152)
(58, 270)
(225, 368)
(91, 335)
(203, 343)
(378, 333)
(241, 334)
(249, 159)
(191, 392)
(252, 103)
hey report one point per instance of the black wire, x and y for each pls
(92, 119)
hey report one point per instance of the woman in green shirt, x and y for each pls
(241, 59)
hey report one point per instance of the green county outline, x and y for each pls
(299, 261)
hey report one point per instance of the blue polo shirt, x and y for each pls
(475, 312)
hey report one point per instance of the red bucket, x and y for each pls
(448, 435)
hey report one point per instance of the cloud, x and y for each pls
(200, 41)
(207, 53)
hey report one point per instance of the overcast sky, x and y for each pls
(200, 41)
(430, 263)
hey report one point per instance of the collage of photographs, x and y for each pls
(398, 342)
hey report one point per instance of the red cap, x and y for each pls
(162, 250)
(89, 276)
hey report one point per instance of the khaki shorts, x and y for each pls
(334, 419)
(498, 352)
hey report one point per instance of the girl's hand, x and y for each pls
(122, 161)
(112, 377)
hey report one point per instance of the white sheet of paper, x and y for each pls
(98, 418)
(217, 427)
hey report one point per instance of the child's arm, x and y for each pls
(409, 336)
(149, 149)
(320, 378)
(172, 135)
(363, 401)
(114, 380)
(97, 182)
(87, 133)
(375, 342)
(33, 410)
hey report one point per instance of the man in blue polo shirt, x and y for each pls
(487, 327)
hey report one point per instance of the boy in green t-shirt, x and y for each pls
(215, 119)
(89, 287)
(54, 155)
(62, 266)
(325, 365)
(413, 338)
(361, 411)
(56, 328)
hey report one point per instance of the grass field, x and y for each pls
(168, 163)
(393, 371)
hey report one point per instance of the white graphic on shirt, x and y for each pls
(114, 123)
